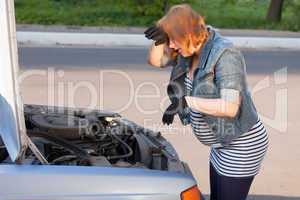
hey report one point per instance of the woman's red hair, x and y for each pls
(182, 22)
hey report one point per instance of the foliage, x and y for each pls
(155, 8)
(292, 13)
(248, 14)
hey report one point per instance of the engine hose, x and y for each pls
(75, 149)
(130, 152)
(64, 158)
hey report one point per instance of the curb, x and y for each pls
(138, 40)
(140, 30)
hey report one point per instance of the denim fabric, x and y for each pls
(221, 67)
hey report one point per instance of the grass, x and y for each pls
(245, 14)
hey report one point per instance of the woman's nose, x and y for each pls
(172, 45)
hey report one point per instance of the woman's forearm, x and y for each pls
(214, 107)
(160, 56)
(155, 55)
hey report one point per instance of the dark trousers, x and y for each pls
(228, 188)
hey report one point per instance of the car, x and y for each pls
(61, 153)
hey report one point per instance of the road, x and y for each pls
(119, 79)
(135, 58)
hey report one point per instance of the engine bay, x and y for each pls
(65, 136)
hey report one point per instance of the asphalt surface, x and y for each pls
(258, 62)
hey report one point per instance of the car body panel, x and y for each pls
(12, 126)
(82, 183)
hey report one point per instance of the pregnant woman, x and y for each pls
(208, 89)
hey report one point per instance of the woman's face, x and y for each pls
(177, 46)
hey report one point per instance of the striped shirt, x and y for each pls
(244, 155)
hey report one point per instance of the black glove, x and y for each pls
(157, 34)
(171, 111)
(169, 114)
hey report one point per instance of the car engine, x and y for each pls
(66, 136)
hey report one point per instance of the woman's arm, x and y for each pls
(226, 106)
(230, 79)
(161, 56)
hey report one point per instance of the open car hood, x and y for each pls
(12, 124)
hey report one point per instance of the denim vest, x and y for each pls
(221, 66)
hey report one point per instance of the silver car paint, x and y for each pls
(27, 182)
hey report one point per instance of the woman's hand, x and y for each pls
(214, 107)
(157, 34)
(178, 104)
(160, 55)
